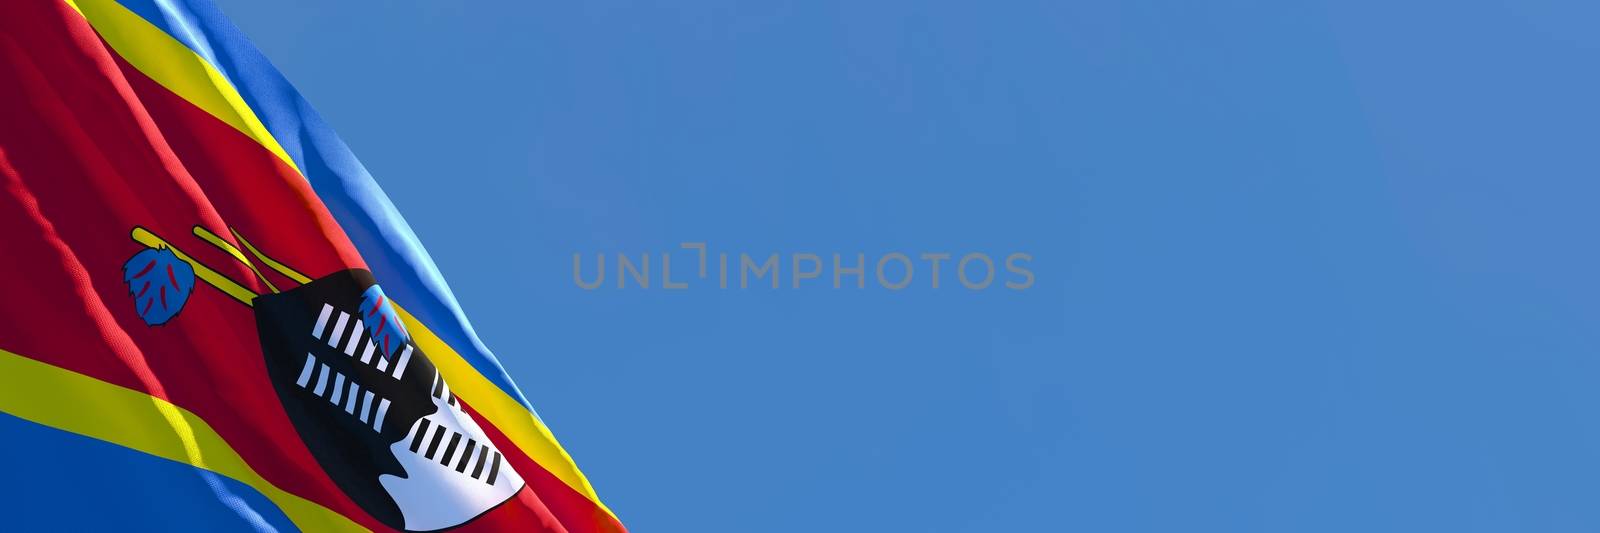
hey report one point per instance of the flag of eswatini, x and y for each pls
(210, 314)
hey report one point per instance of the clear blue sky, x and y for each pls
(1301, 266)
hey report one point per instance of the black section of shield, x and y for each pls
(350, 451)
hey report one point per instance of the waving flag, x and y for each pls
(198, 270)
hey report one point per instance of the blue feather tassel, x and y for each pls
(159, 282)
(383, 323)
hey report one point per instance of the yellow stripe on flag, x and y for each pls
(69, 401)
(186, 73)
(178, 68)
(493, 403)
(500, 409)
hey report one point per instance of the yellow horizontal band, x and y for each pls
(500, 409)
(184, 72)
(73, 402)
(177, 67)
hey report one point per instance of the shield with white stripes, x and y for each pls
(377, 416)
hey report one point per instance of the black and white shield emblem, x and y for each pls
(384, 426)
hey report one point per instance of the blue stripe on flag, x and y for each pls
(60, 481)
(380, 234)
